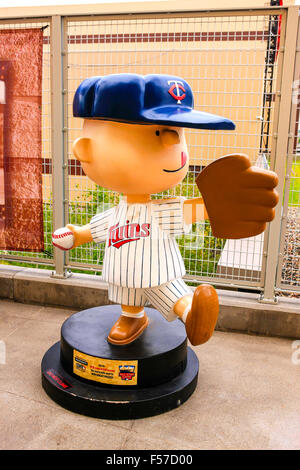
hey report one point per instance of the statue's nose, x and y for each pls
(170, 137)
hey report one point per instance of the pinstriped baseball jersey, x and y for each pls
(161, 297)
(141, 250)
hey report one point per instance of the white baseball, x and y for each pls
(63, 238)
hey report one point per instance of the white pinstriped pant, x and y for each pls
(161, 297)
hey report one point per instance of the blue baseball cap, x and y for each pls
(143, 99)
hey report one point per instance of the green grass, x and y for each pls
(200, 249)
(294, 192)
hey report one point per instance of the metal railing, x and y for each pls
(242, 64)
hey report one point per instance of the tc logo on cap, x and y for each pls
(177, 85)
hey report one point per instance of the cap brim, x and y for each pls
(185, 117)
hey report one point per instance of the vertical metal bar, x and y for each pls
(57, 137)
(267, 248)
(281, 148)
(292, 136)
(65, 123)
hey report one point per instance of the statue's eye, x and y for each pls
(157, 133)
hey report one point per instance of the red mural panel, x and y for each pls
(21, 210)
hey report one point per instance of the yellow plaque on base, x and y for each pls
(106, 371)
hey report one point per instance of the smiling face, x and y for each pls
(132, 158)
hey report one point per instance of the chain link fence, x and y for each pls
(234, 62)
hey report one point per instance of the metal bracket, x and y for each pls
(67, 273)
(264, 300)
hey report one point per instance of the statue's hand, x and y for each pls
(81, 235)
(239, 198)
(75, 230)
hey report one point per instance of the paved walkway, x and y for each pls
(248, 395)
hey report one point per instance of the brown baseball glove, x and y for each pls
(239, 198)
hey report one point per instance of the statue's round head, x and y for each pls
(133, 134)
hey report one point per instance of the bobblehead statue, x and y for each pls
(133, 143)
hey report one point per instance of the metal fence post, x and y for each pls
(281, 149)
(292, 154)
(58, 148)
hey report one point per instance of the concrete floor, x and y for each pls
(248, 395)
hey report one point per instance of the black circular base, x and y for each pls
(159, 354)
(86, 374)
(108, 403)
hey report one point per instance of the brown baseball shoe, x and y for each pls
(127, 329)
(202, 318)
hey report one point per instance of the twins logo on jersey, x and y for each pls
(130, 232)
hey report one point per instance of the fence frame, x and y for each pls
(58, 150)
(279, 286)
(284, 119)
(283, 113)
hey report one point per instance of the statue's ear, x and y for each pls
(82, 149)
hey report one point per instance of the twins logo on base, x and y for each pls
(63, 238)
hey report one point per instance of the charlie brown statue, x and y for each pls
(133, 143)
